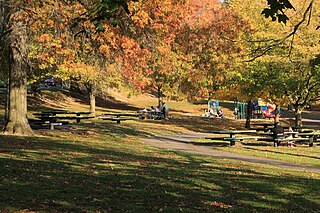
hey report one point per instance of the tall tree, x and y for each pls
(16, 19)
(210, 39)
(14, 32)
(281, 67)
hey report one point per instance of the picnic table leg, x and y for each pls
(118, 121)
(232, 142)
(51, 126)
(78, 120)
(310, 141)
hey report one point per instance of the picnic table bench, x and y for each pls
(233, 136)
(309, 137)
(262, 126)
(37, 123)
(54, 118)
(118, 117)
(56, 112)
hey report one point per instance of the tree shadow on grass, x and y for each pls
(42, 174)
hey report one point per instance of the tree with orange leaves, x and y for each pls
(20, 17)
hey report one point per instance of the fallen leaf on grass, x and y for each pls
(220, 205)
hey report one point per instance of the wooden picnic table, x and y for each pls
(299, 128)
(232, 135)
(118, 117)
(56, 112)
(264, 126)
(53, 116)
(311, 136)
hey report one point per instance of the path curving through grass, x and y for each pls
(181, 142)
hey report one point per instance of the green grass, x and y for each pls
(104, 167)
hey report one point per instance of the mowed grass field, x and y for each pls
(101, 166)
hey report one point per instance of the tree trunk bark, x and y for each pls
(277, 114)
(17, 122)
(298, 117)
(92, 98)
(248, 114)
(159, 96)
(91, 89)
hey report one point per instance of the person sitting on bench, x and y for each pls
(278, 133)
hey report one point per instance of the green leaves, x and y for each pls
(276, 10)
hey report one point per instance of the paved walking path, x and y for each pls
(178, 142)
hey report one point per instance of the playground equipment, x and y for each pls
(258, 110)
(239, 109)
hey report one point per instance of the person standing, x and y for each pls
(278, 133)
(165, 110)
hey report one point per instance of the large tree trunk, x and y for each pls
(298, 117)
(92, 103)
(91, 89)
(248, 114)
(17, 122)
(92, 98)
(277, 114)
(159, 96)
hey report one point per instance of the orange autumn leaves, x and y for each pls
(158, 43)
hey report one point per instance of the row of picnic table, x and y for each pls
(308, 136)
(59, 117)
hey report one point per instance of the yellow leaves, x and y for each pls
(139, 14)
(44, 38)
(83, 72)
(164, 50)
(141, 18)
(109, 36)
(105, 49)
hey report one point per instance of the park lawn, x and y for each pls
(105, 167)
(301, 154)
